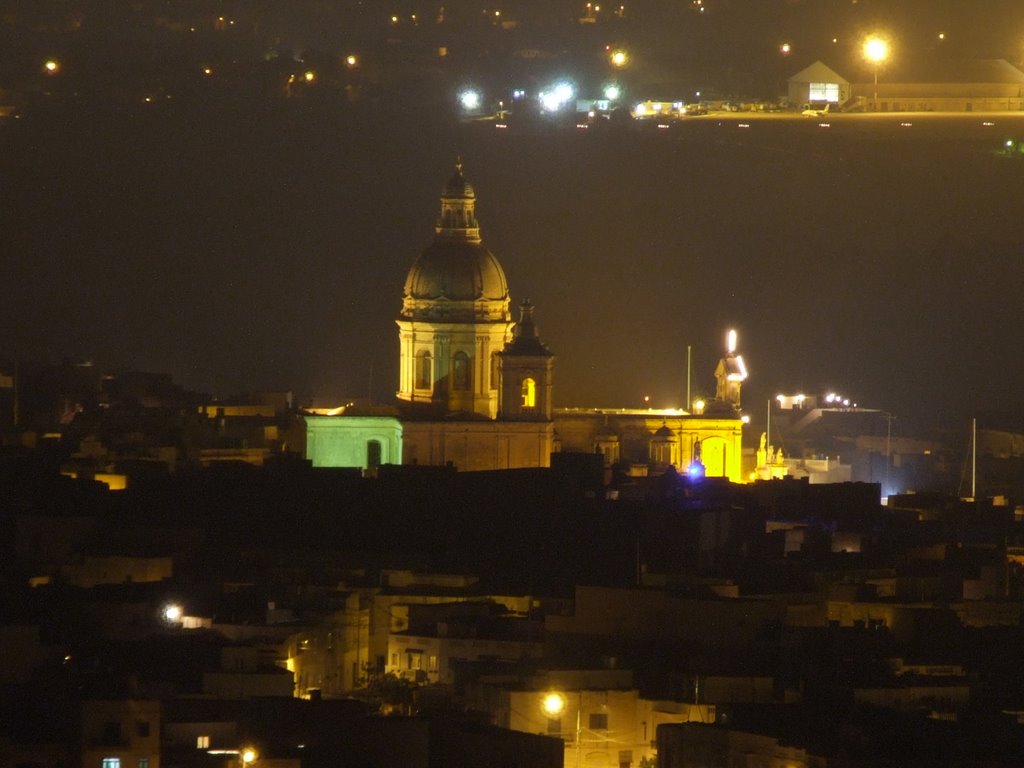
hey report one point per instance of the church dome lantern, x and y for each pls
(456, 279)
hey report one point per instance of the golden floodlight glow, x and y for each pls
(248, 756)
(310, 76)
(553, 704)
(785, 49)
(52, 66)
(619, 57)
(351, 60)
(876, 49)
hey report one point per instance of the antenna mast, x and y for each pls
(689, 402)
(974, 458)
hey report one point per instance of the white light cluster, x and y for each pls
(833, 399)
(556, 98)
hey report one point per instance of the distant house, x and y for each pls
(818, 83)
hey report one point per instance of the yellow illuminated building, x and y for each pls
(475, 386)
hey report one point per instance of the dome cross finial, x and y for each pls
(458, 164)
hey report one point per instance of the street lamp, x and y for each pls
(172, 613)
(876, 50)
(618, 58)
(470, 100)
(554, 705)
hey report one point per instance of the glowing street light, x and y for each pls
(785, 49)
(612, 92)
(470, 100)
(172, 613)
(310, 76)
(618, 58)
(248, 756)
(52, 66)
(351, 60)
(876, 50)
(553, 704)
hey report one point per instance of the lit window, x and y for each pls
(432, 664)
(824, 92)
(202, 742)
(143, 762)
(423, 370)
(529, 393)
(460, 372)
(111, 762)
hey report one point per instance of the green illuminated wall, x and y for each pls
(344, 441)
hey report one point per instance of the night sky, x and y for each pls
(242, 245)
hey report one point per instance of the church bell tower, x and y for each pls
(524, 372)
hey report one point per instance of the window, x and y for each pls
(394, 659)
(598, 721)
(432, 664)
(111, 762)
(460, 372)
(529, 394)
(373, 453)
(143, 762)
(494, 370)
(824, 92)
(202, 742)
(142, 728)
(554, 726)
(423, 370)
(111, 734)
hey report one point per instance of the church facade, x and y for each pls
(475, 387)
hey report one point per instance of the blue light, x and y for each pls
(695, 471)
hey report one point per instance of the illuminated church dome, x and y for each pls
(456, 279)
